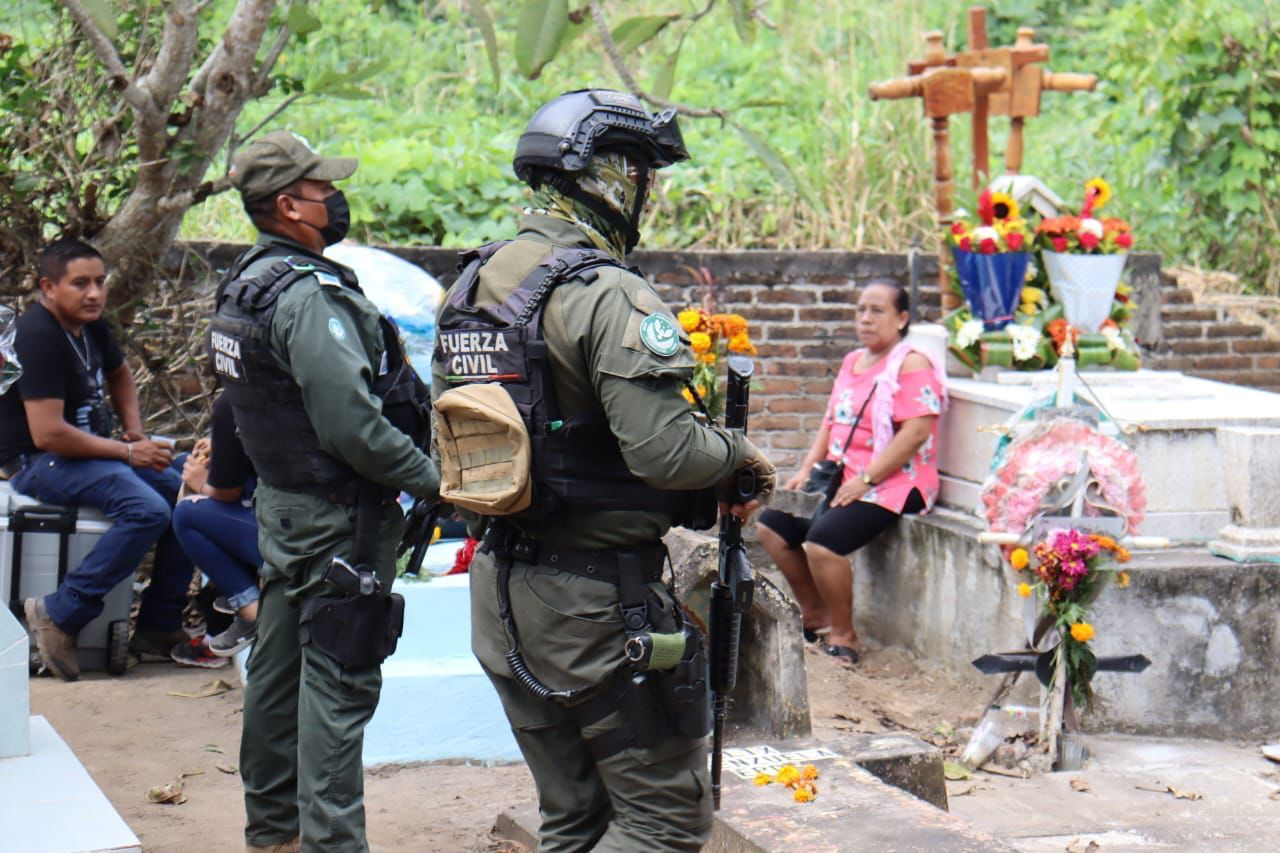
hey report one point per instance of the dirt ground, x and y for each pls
(131, 735)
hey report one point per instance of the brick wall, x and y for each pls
(800, 306)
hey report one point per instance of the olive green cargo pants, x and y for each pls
(639, 799)
(305, 713)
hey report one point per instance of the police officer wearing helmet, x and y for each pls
(570, 579)
(333, 419)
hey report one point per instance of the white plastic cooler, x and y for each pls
(42, 542)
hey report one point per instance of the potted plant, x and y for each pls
(1084, 257)
(991, 259)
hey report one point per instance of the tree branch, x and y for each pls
(107, 55)
(629, 80)
(177, 48)
(262, 80)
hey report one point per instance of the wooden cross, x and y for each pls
(1002, 81)
(945, 91)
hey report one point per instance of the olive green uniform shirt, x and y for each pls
(600, 364)
(327, 337)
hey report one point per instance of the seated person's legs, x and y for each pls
(222, 538)
(781, 536)
(138, 514)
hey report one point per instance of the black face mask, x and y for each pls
(339, 213)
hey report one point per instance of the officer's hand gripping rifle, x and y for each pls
(732, 591)
(419, 529)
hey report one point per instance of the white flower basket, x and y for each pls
(1085, 286)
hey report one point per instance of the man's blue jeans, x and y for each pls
(222, 539)
(138, 501)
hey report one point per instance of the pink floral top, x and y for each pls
(919, 394)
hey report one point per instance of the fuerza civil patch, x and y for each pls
(491, 355)
(226, 356)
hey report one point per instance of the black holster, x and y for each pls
(358, 631)
(654, 705)
(360, 627)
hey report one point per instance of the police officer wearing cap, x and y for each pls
(595, 364)
(331, 416)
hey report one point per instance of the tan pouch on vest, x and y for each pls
(485, 456)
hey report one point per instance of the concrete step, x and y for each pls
(1174, 296)
(854, 810)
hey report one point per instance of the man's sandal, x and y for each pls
(813, 635)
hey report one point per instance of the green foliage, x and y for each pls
(1184, 123)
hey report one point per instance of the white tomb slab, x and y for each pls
(15, 698)
(1188, 483)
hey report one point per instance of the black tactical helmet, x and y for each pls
(564, 133)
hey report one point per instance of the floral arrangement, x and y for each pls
(1000, 228)
(1086, 234)
(1038, 334)
(1041, 454)
(802, 781)
(712, 337)
(1068, 569)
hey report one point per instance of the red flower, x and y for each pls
(1089, 240)
(966, 244)
(462, 559)
(1013, 240)
(1059, 244)
(1124, 241)
(957, 228)
(987, 246)
(986, 210)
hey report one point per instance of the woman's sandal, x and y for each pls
(813, 635)
(844, 653)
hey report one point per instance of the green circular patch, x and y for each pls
(659, 335)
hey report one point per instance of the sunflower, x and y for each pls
(1003, 206)
(1101, 191)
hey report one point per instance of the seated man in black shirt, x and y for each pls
(56, 446)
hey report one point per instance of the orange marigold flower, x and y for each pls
(1122, 554)
(734, 325)
(690, 320)
(707, 358)
(761, 779)
(787, 775)
(742, 344)
(1082, 632)
(700, 341)
(1019, 559)
(1122, 580)
(1104, 540)
(805, 794)
(808, 773)
(1024, 590)
(688, 396)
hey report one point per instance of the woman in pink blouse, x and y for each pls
(882, 422)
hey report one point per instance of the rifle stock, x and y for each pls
(732, 591)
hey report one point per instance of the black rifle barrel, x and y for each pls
(732, 591)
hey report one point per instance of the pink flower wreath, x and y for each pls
(1049, 453)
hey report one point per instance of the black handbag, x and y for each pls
(826, 475)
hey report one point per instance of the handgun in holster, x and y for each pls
(355, 620)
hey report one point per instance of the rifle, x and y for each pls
(420, 526)
(732, 591)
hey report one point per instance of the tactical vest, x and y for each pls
(577, 463)
(269, 412)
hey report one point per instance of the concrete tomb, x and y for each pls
(1209, 454)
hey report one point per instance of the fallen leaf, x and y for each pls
(1079, 784)
(963, 792)
(213, 747)
(954, 771)
(227, 768)
(170, 792)
(186, 773)
(1169, 789)
(204, 691)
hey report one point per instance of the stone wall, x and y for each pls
(800, 306)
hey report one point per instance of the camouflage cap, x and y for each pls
(273, 162)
